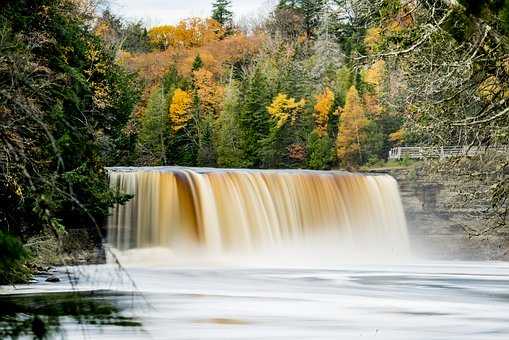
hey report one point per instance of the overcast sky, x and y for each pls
(157, 12)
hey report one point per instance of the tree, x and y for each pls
(209, 94)
(155, 130)
(180, 109)
(193, 32)
(323, 107)
(310, 11)
(197, 63)
(284, 109)
(351, 136)
(222, 14)
(254, 118)
(228, 137)
(320, 151)
(64, 107)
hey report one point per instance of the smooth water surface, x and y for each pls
(443, 300)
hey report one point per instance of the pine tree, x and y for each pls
(309, 10)
(154, 132)
(221, 13)
(228, 136)
(197, 63)
(254, 118)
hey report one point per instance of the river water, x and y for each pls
(426, 300)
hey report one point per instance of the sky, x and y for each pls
(158, 12)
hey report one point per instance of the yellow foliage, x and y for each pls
(351, 135)
(187, 33)
(375, 74)
(398, 136)
(180, 109)
(209, 92)
(490, 88)
(322, 108)
(284, 108)
(394, 26)
(373, 38)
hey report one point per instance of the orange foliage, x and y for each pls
(218, 54)
(187, 33)
(322, 108)
(297, 152)
(209, 92)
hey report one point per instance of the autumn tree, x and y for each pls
(187, 33)
(351, 136)
(284, 109)
(322, 110)
(180, 109)
(209, 94)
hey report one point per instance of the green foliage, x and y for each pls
(374, 142)
(254, 118)
(221, 12)
(154, 133)
(228, 139)
(197, 63)
(13, 258)
(64, 104)
(320, 151)
(206, 152)
(310, 11)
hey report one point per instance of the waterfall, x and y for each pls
(221, 211)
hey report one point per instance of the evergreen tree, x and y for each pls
(320, 151)
(197, 63)
(154, 132)
(221, 12)
(254, 118)
(309, 10)
(227, 131)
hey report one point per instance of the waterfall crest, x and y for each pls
(245, 210)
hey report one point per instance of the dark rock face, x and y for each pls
(439, 231)
(53, 278)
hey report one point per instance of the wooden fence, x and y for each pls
(416, 152)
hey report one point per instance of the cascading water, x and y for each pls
(246, 211)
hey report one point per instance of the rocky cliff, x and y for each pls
(441, 230)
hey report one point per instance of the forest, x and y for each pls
(316, 84)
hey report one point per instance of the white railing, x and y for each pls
(417, 152)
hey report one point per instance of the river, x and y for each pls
(427, 300)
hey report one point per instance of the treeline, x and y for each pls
(318, 84)
(288, 95)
